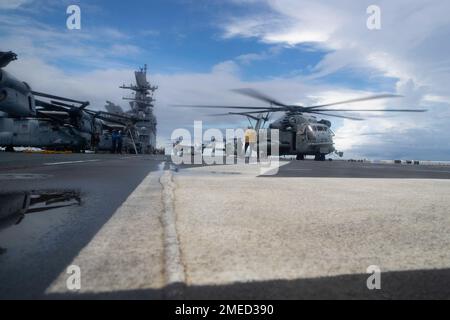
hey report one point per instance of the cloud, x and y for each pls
(416, 59)
(411, 47)
(247, 59)
(127, 49)
(213, 87)
(99, 46)
(251, 57)
(411, 44)
(97, 85)
(12, 4)
(289, 22)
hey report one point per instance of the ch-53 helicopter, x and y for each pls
(34, 119)
(300, 132)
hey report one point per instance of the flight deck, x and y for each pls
(223, 231)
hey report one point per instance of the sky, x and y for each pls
(298, 51)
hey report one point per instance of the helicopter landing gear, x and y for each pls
(300, 157)
(319, 157)
(76, 150)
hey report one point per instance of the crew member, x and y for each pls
(119, 142)
(114, 138)
(95, 141)
(250, 142)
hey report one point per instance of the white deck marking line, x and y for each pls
(69, 162)
(424, 170)
(437, 171)
(174, 268)
(126, 253)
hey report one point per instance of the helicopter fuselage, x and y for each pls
(19, 126)
(26, 132)
(16, 98)
(36, 119)
(301, 135)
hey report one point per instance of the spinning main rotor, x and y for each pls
(277, 106)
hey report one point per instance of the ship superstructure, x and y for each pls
(142, 104)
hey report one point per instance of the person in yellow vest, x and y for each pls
(250, 141)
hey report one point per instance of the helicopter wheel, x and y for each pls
(320, 157)
(300, 157)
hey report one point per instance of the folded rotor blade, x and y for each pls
(110, 120)
(49, 106)
(49, 96)
(54, 113)
(56, 119)
(130, 118)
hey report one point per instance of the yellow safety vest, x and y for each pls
(250, 136)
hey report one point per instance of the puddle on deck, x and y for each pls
(20, 211)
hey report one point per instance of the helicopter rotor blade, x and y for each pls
(376, 97)
(83, 104)
(246, 114)
(49, 106)
(91, 112)
(111, 114)
(48, 116)
(82, 107)
(110, 120)
(224, 107)
(255, 112)
(259, 96)
(372, 110)
(53, 113)
(221, 114)
(335, 115)
(316, 109)
(240, 113)
(62, 104)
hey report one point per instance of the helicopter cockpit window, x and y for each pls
(310, 133)
(302, 130)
